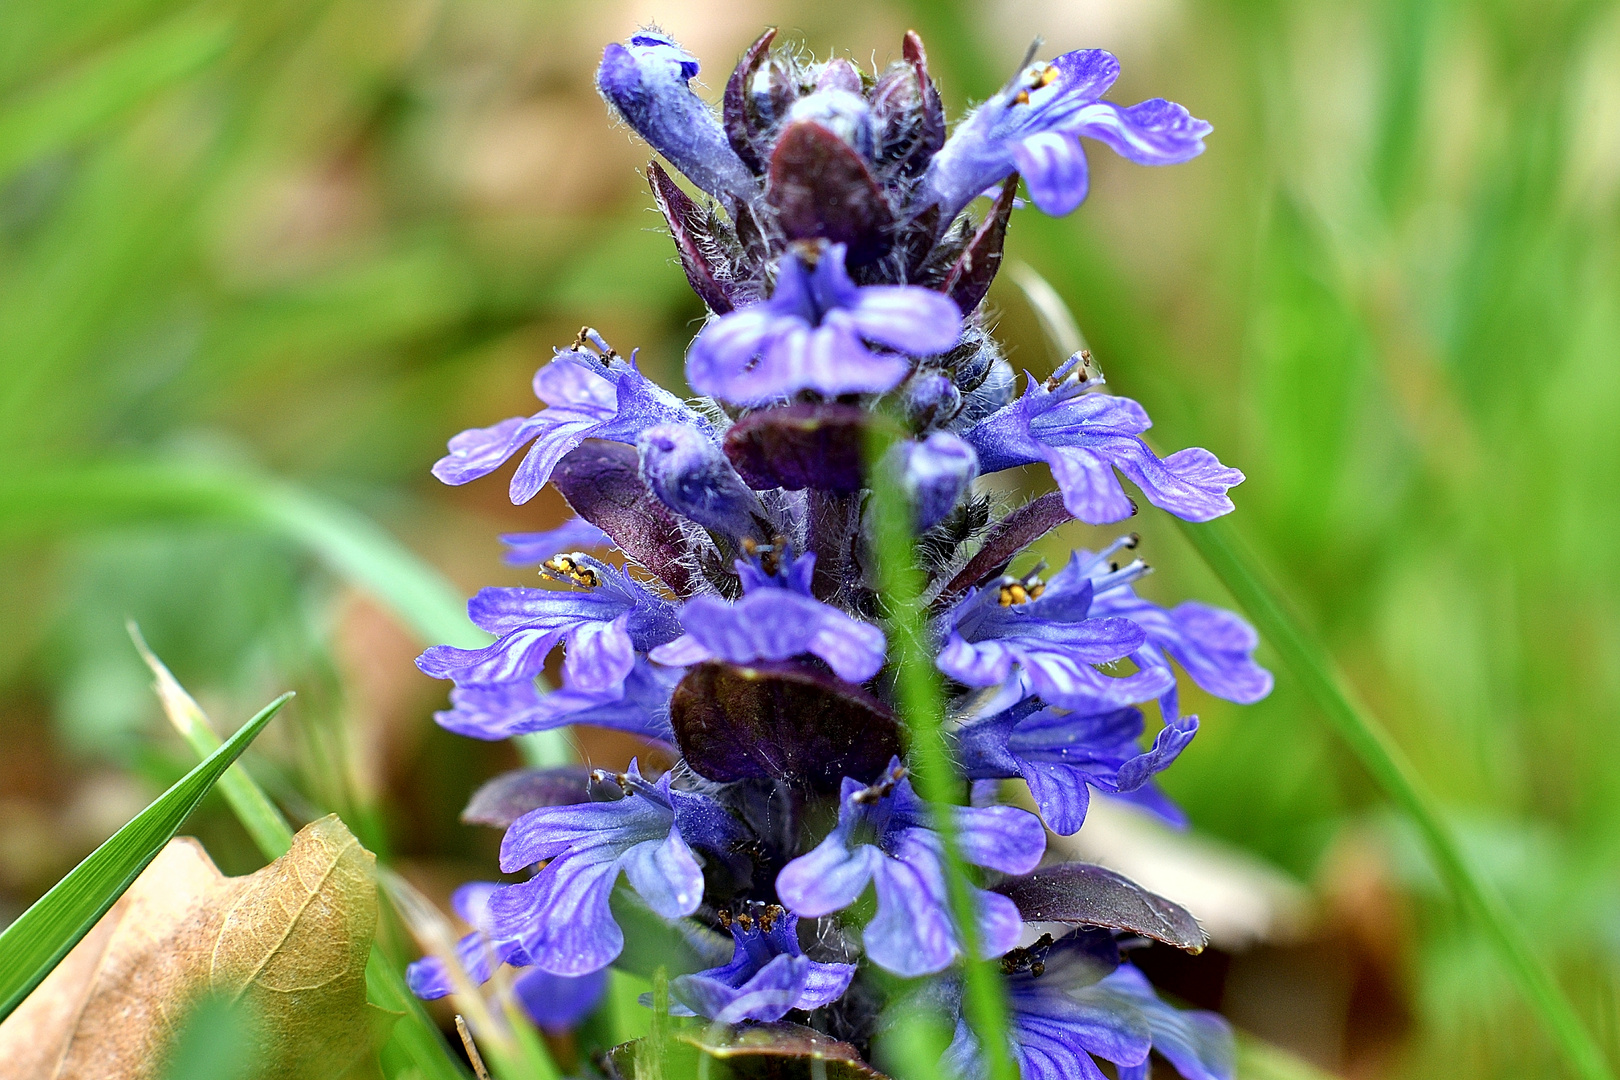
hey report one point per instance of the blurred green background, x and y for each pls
(259, 260)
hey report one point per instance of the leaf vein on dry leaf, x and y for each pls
(309, 893)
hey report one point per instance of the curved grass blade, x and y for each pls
(348, 543)
(1242, 574)
(42, 935)
(415, 1034)
(264, 822)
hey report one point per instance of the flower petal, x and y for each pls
(1190, 483)
(646, 84)
(1053, 165)
(912, 933)
(1091, 491)
(1002, 838)
(824, 984)
(577, 383)
(598, 656)
(557, 431)
(983, 663)
(557, 1003)
(723, 352)
(666, 875)
(598, 831)
(480, 451)
(1083, 75)
(777, 624)
(914, 320)
(531, 549)
(518, 656)
(575, 933)
(828, 878)
(1153, 132)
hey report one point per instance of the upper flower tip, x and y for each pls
(811, 333)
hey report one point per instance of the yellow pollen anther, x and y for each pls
(1036, 588)
(1049, 76)
(565, 567)
(1013, 594)
(1023, 97)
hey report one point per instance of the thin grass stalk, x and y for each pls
(1256, 591)
(654, 1050)
(514, 1056)
(918, 694)
(1247, 580)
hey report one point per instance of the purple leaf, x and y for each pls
(781, 721)
(801, 446)
(740, 127)
(969, 279)
(686, 224)
(908, 111)
(1005, 540)
(821, 189)
(510, 795)
(1095, 896)
(602, 483)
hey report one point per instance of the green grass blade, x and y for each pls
(654, 1050)
(42, 935)
(348, 543)
(415, 1033)
(264, 822)
(1242, 574)
(59, 114)
(921, 701)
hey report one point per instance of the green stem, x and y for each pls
(921, 704)
(1382, 757)
(655, 1048)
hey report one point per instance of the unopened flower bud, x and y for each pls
(936, 473)
(692, 477)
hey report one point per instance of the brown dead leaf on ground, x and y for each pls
(289, 943)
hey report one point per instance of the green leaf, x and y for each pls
(1240, 571)
(42, 935)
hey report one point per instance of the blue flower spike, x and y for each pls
(714, 595)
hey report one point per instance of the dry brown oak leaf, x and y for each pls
(289, 943)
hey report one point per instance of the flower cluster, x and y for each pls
(738, 629)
